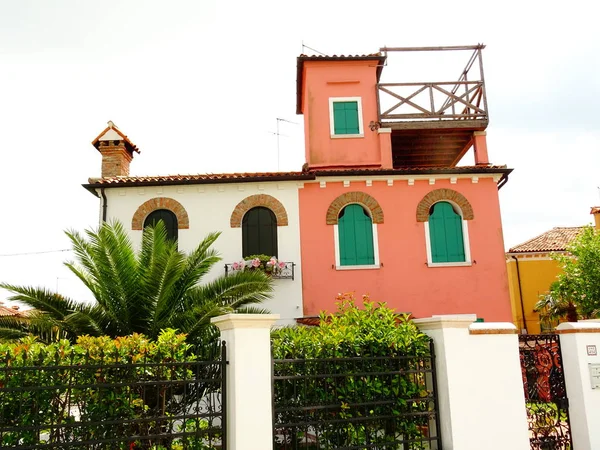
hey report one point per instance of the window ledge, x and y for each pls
(450, 264)
(347, 136)
(370, 266)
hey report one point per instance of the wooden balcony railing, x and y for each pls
(464, 99)
(445, 100)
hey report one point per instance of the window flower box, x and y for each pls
(270, 265)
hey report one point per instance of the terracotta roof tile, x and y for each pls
(4, 312)
(280, 176)
(555, 240)
(411, 170)
(339, 57)
(112, 126)
(241, 176)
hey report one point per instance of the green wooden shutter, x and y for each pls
(345, 118)
(445, 233)
(169, 219)
(259, 232)
(355, 233)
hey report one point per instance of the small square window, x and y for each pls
(345, 117)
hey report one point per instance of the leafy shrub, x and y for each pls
(99, 389)
(359, 376)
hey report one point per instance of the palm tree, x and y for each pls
(136, 292)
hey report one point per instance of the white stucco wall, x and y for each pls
(209, 207)
(479, 383)
(584, 400)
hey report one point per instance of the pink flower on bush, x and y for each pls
(255, 262)
(281, 265)
(272, 262)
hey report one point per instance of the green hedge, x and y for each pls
(98, 389)
(358, 377)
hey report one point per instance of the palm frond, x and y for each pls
(197, 264)
(155, 288)
(252, 310)
(41, 299)
(235, 291)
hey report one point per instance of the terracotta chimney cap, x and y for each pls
(595, 210)
(112, 132)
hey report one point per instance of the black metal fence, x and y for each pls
(545, 392)
(107, 405)
(369, 402)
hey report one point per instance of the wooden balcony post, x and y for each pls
(480, 146)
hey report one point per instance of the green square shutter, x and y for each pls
(445, 234)
(345, 118)
(355, 234)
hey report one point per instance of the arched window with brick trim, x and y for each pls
(446, 236)
(355, 236)
(355, 217)
(169, 220)
(259, 232)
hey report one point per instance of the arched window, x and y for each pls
(355, 234)
(168, 218)
(446, 235)
(259, 232)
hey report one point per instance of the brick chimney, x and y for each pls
(596, 212)
(116, 150)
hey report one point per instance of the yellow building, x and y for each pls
(531, 270)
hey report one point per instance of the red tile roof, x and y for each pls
(280, 176)
(206, 177)
(213, 178)
(13, 311)
(414, 170)
(555, 240)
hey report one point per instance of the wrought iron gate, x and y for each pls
(545, 392)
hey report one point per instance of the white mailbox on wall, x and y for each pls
(595, 375)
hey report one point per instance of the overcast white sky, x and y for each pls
(198, 84)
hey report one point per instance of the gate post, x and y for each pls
(479, 383)
(249, 400)
(580, 344)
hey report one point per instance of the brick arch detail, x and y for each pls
(354, 197)
(183, 221)
(440, 195)
(253, 201)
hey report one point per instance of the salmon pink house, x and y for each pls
(383, 205)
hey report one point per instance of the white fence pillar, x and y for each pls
(479, 383)
(249, 401)
(580, 344)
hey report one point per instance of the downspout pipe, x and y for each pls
(104, 204)
(520, 293)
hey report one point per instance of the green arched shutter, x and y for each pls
(446, 235)
(355, 232)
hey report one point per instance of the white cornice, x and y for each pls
(411, 177)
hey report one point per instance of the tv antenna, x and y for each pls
(277, 133)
